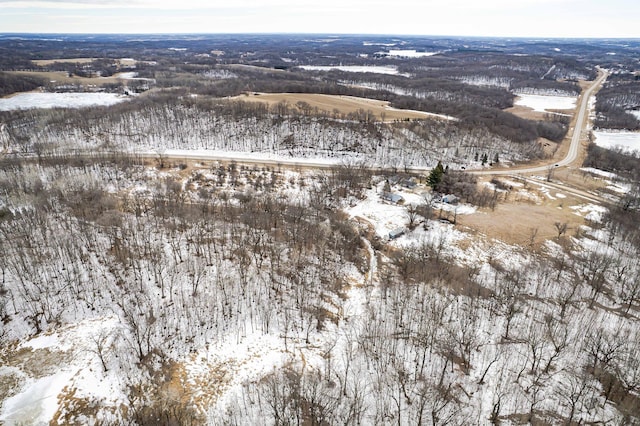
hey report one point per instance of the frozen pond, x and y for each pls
(629, 141)
(58, 100)
(544, 103)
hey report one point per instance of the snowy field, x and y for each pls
(410, 53)
(544, 103)
(636, 114)
(353, 68)
(626, 140)
(59, 100)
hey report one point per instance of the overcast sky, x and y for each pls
(511, 18)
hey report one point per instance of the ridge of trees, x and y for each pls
(620, 93)
(11, 83)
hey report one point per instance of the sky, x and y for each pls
(500, 18)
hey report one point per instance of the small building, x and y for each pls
(392, 198)
(409, 183)
(393, 180)
(396, 233)
(450, 199)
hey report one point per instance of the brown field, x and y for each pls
(530, 114)
(45, 62)
(526, 113)
(516, 221)
(337, 103)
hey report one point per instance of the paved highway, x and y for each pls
(580, 126)
(572, 154)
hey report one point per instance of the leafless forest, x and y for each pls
(212, 292)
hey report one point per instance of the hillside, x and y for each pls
(146, 281)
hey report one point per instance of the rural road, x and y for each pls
(252, 159)
(580, 126)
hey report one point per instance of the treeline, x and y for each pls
(623, 216)
(12, 83)
(439, 88)
(499, 65)
(174, 120)
(455, 99)
(620, 94)
(102, 67)
(496, 121)
(546, 86)
(614, 160)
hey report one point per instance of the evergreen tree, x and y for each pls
(435, 177)
(387, 186)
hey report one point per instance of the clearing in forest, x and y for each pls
(338, 105)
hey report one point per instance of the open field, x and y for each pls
(45, 62)
(518, 219)
(340, 104)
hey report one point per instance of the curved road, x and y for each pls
(572, 155)
(574, 148)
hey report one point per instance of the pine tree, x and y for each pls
(435, 177)
(387, 187)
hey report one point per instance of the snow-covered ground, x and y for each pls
(613, 181)
(387, 217)
(226, 358)
(626, 140)
(590, 212)
(127, 75)
(426, 114)
(544, 103)
(78, 372)
(410, 53)
(599, 172)
(59, 100)
(239, 156)
(354, 68)
(635, 113)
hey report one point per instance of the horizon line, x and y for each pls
(334, 34)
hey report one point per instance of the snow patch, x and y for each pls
(409, 53)
(629, 141)
(59, 100)
(38, 401)
(635, 113)
(543, 103)
(590, 212)
(599, 172)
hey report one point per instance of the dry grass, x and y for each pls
(123, 62)
(526, 112)
(517, 220)
(45, 62)
(337, 103)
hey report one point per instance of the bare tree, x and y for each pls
(412, 215)
(102, 345)
(561, 228)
